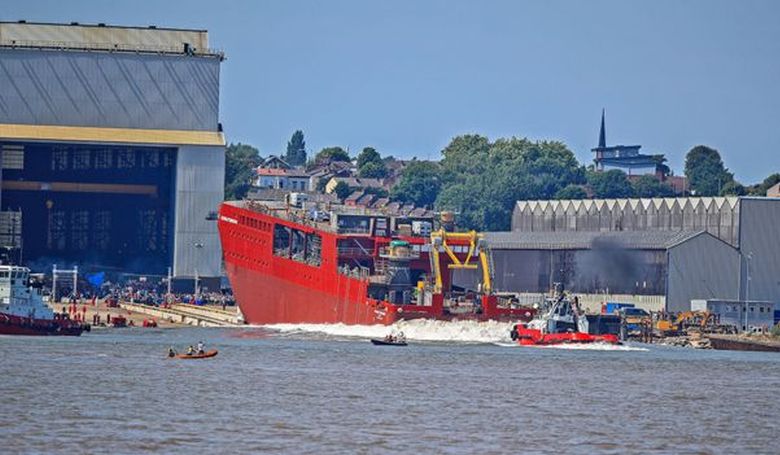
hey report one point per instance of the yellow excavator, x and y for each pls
(701, 321)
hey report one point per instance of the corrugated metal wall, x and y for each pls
(760, 235)
(718, 215)
(703, 267)
(200, 177)
(103, 89)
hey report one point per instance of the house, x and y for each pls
(275, 162)
(327, 171)
(774, 191)
(354, 182)
(353, 198)
(280, 178)
(365, 200)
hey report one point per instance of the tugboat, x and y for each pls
(22, 311)
(558, 321)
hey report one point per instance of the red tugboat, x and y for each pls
(22, 311)
(559, 321)
(351, 265)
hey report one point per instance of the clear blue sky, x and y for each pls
(407, 76)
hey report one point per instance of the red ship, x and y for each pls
(22, 311)
(349, 265)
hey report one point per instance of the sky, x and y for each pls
(407, 76)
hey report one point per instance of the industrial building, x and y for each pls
(676, 249)
(112, 152)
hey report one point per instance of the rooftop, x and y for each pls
(578, 240)
(103, 37)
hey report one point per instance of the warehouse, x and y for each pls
(654, 269)
(749, 225)
(112, 152)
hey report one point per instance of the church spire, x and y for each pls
(602, 133)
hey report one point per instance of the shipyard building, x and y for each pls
(112, 151)
(658, 253)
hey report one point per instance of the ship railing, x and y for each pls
(353, 230)
(353, 251)
(355, 272)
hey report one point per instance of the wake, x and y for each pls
(418, 330)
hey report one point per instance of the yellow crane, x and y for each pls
(477, 251)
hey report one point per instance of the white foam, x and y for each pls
(594, 347)
(418, 329)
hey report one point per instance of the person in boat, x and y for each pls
(201, 348)
(401, 338)
(389, 338)
(171, 352)
(190, 350)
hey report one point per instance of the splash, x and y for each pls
(595, 347)
(419, 330)
(578, 347)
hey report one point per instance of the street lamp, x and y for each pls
(198, 246)
(748, 258)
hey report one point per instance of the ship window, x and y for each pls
(298, 245)
(282, 241)
(313, 249)
(3, 274)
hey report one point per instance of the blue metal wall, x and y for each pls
(102, 89)
(759, 241)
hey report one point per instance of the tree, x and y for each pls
(483, 181)
(296, 149)
(373, 170)
(760, 189)
(707, 175)
(241, 162)
(571, 192)
(370, 164)
(649, 186)
(733, 188)
(419, 184)
(342, 190)
(610, 184)
(329, 154)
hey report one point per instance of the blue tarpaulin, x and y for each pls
(96, 279)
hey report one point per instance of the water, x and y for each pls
(309, 389)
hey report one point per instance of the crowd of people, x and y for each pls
(136, 291)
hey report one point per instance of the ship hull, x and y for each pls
(16, 325)
(266, 299)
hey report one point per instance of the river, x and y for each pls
(457, 388)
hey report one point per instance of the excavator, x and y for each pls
(670, 324)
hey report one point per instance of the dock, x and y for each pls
(200, 316)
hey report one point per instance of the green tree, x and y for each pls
(296, 149)
(419, 184)
(370, 164)
(329, 154)
(483, 181)
(705, 170)
(610, 184)
(342, 190)
(760, 189)
(241, 162)
(649, 186)
(733, 188)
(373, 170)
(571, 192)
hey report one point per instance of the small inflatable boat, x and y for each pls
(378, 342)
(205, 355)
